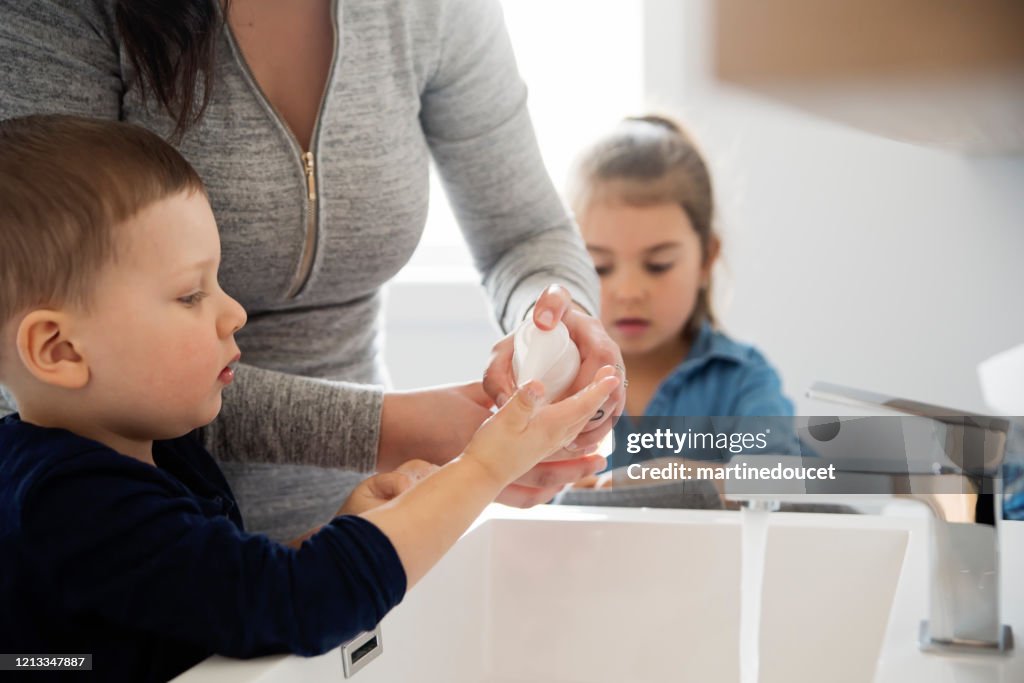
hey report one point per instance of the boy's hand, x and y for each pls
(374, 491)
(596, 350)
(380, 488)
(524, 432)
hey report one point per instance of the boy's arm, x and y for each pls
(425, 522)
(146, 558)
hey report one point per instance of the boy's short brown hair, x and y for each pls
(65, 183)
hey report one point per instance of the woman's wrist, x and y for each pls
(389, 445)
(432, 424)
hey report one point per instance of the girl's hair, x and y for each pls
(649, 160)
(173, 48)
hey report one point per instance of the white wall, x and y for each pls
(437, 333)
(849, 257)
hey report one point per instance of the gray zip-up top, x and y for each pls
(308, 241)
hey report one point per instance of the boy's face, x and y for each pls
(651, 266)
(159, 335)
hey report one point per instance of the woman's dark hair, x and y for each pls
(173, 48)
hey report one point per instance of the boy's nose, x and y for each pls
(234, 317)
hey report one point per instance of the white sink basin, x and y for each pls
(602, 595)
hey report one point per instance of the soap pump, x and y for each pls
(546, 355)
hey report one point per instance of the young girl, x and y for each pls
(644, 203)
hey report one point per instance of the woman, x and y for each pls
(312, 125)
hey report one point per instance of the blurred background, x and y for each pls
(869, 167)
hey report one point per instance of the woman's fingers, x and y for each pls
(558, 473)
(589, 438)
(475, 392)
(551, 306)
(573, 413)
(597, 481)
(587, 482)
(516, 495)
(498, 383)
(596, 351)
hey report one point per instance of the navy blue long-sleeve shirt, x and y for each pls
(150, 570)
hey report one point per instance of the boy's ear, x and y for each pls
(47, 352)
(710, 256)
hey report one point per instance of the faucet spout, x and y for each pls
(963, 500)
(964, 614)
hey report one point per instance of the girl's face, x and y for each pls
(651, 266)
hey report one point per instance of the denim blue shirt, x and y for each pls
(1013, 474)
(719, 378)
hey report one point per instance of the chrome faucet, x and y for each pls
(961, 488)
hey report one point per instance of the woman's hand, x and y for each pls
(426, 521)
(545, 479)
(595, 481)
(436, 424)
(430, 424)
(596, 350)
(380, 488)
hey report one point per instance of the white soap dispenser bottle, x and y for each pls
(546, 355)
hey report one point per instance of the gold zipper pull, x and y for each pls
(307, 160)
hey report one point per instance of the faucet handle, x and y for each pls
(862, 398)
(975, 443)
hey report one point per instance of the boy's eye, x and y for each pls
(655, 268)
(602, 270)
(192, 299)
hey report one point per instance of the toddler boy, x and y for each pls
(119, 536)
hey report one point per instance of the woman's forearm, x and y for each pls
(475, 117)
(274, 417)
(432, 424)
(400, 435)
